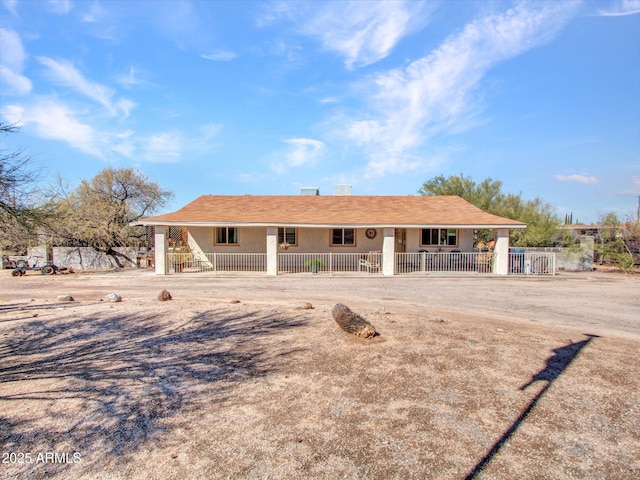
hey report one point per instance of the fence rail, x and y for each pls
(449, 262)
(329, 263)
(216, 262)
(532, 263)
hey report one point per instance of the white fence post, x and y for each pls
(501, 252)
(388, 251)
(272, 251)
(161, 247)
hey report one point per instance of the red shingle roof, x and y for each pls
(315, 211)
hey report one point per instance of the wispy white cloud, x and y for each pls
(53, 120)
(13, 54)
(364, 32)
(220, 56)
(11, 6)
(577, 178)
(164, 147)
(201, 141)
(632, 188)
(93, 14)
(14, 83)
(60, 7)
(276, 11)
(171, 146)
(64, 73)
(125, 106)
(12, 59)
(300, 152)
(438, 93)
(621, 8)
(129, 79)
(179, 21)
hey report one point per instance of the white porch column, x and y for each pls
(272, 251)
(501, 252)
(161, 247)
(388, 251)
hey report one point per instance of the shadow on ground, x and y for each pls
(555, 366)
(131, 375)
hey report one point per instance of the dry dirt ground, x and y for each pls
(522, 378)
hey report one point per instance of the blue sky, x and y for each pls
(237, 97)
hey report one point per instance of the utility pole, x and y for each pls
(638, 215)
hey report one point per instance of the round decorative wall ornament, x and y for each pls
(371, 233)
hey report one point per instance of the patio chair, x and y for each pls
(371, 263)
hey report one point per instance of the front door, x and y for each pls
(401, 240)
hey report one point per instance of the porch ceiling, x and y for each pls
(332, 211)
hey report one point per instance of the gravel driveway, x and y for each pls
(469, 377)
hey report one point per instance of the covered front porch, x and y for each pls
(364, 251)
(423, 263)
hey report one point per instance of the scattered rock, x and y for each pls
(383, 311)
(164, 295)
(234, 301)
(501, 330)
(64, 298)
(352, 322)
(438, 319)
(473, 340)
(303, 306)
(114, 297)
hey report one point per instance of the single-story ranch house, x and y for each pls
(385, 235)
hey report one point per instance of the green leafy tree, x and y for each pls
(615, 242)
(542, 223)
(99, 212)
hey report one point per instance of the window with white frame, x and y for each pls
(444, 237)
(343, 236)
(288, 235)
(227, 235)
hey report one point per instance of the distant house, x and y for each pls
(340, 233)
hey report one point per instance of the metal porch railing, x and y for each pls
(443, 262)
(330, 263)
(216, 262)
(532, 263)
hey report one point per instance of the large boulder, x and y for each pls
(352, 322)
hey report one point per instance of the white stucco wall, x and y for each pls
(316, 240)
(465, 241)
(310, 240)
(250, 240)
